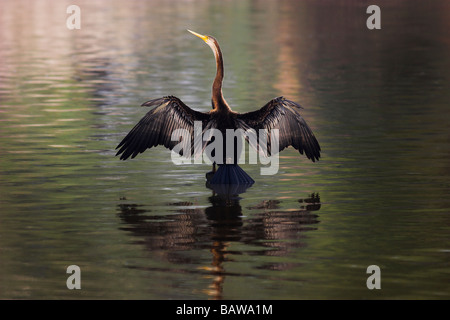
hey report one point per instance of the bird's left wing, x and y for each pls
(283, 114)
(156, 127)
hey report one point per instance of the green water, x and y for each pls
(377, 100)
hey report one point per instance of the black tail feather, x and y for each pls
(231, 174)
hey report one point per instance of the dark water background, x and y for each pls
(378, 101)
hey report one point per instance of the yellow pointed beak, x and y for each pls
(204, 38)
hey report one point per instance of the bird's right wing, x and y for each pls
(156, 127)
(284, 115)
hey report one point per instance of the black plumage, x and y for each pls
(170, 113)
(156, 127)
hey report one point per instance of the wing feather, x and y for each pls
(156, 127)
(284, 115)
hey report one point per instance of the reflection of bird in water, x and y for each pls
(182, 238)
(170, 113)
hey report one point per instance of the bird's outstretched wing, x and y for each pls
(283, 114)
(156, 127)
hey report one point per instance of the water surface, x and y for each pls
(147, 229)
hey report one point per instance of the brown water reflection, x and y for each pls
(174, 236)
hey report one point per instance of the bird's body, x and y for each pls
(170, 113)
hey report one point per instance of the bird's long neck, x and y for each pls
(218, 101)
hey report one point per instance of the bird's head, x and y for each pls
(210, 40)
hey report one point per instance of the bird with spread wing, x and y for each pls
(170, 113)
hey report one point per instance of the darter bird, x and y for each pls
(170, 113)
